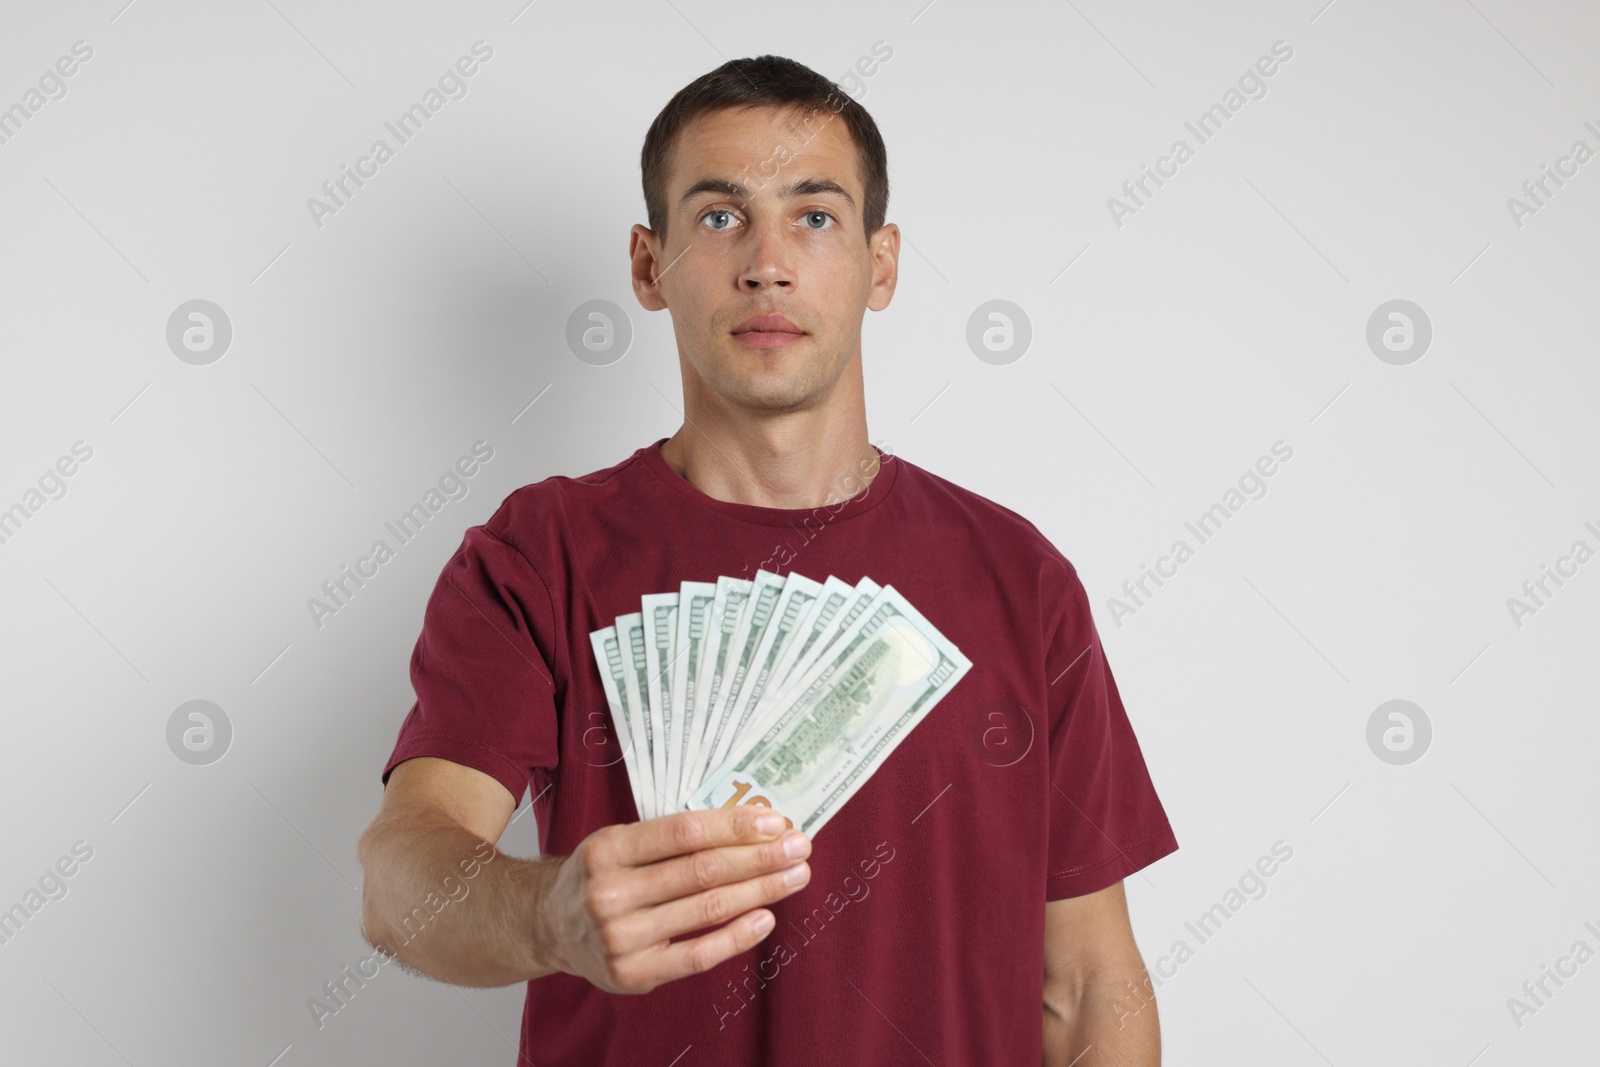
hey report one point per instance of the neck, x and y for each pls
(802, 459)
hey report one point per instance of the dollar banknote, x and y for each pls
(608, 654)
(775, 690)
(826, 624)
(855, 705)
(794, 600)
(660, 613)
(726, 609)
(636, 689)
(852, 709)
(758, 610)
(695, 600)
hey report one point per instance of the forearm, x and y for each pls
(1108, 1013)
(441, 900)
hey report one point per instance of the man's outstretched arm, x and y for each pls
(441, 899)
(1099, 1005)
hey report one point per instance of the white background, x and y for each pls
(1228, 313)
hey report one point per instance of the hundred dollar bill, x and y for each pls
(767, 587)
(695, 600)
(608, 655)
(794, 601)
(660, 611)
(820, 617)
(725, 608)
(636, 680)
(858, 601)
(877, 682)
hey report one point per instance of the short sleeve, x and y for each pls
(1106, 821)
(480, 669)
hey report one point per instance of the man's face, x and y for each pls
(764, 211)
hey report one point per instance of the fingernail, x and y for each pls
(770, 824)
(797, 874)
(762, 923)
(794, 846)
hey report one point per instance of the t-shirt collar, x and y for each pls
(839, 509)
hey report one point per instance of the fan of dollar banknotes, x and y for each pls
(774, 690)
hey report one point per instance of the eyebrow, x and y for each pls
(798, 187)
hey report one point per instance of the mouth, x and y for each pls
(768, 331)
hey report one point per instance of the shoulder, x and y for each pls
(532, 513)
(997, 549)
(958, 509)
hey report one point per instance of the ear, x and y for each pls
(645, 253)
(885, 249)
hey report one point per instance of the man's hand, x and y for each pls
(606, 913)
(628, 889)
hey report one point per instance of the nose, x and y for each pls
(767, 259)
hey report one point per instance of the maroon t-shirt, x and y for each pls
(920, 934)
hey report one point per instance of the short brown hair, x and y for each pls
(763, 81)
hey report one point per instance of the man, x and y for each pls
(966, 905)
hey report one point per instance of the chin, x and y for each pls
(783, 395)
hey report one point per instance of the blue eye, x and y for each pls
(818, 215)
(717, 211)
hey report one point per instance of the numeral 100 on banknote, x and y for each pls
(739, 791)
